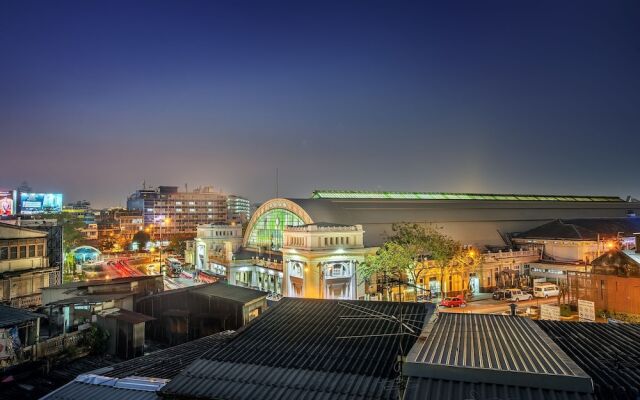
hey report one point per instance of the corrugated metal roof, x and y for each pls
(209, 379)
(427, 388)
(493, 349)
(354, 194)
(229, 292)
(303, 348)
(10, 316)
(610, 353)
(167, 363)
(106, 390)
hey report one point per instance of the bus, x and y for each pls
(173, 267)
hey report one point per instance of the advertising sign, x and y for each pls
(7, 203)
(40, 203)
(550, 312)
(586, 311)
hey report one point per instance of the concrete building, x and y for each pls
(213, 243)
(24, 266)
(170, 212)
(488, 222)
(320, 261)
(238, 208)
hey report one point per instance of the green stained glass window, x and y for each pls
(268, 229)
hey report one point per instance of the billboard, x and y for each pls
(7, 202)
(40, 203)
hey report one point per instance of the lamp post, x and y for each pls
(164, 221)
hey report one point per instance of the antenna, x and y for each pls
(404, 329)
(277, 183)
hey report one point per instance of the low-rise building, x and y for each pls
(19, 335)
(24, 266)
(213, 243)
(193, 312)
(320, 261)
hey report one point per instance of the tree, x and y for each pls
(141, 238)
(178, 243)
(429, 251)
(391, 260)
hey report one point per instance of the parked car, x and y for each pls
(545, 290)
(527, 289)
(517, 295)
(498, 294)
(453, 302)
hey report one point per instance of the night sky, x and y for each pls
(477, 96)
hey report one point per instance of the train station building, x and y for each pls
(312, 247)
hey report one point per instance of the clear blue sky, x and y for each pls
(474, 96)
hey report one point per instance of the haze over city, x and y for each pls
(536, 97)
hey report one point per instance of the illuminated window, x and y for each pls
(178, 203)
(191, 203)
(268, 230)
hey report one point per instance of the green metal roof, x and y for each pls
(349, 194)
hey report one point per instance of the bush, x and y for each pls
(624, 317)
(96, 339)
(565, 310)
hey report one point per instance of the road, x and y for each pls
(490, 306)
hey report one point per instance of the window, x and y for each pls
(326, 241)
(32, 250)
(191, 203)
(347, 240)
(13, 252)
(178, 203)
(4, 253)
(23, 251)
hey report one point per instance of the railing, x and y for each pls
(34, 300)
(58, 344)
(512, 254)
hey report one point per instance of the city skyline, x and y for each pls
(490, 98)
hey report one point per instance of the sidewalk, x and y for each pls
(480, 296)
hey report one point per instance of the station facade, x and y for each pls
(312, 247)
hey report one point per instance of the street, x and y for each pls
(490, 306)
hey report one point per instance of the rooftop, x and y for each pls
(99, 282)
(120, 314)
(139, 378)
(352, 194)
(609, 353)
(167, 363)
(493, 349)
(584, 229)
(10, 231)
(230, 292)
(325, 349)
(10, 316)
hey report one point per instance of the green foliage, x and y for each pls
(142, 238)
(624, 317)
(178, 243)
(415, 251)
(97, 339)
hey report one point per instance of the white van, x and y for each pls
(545, 290)
(516, 295)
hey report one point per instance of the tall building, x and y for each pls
(238, 208)
(167, 211)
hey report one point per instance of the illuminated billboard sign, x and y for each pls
(40, 203)
(7, 203)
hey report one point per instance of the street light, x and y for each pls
(165, 221)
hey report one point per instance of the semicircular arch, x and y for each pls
(285, 205)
